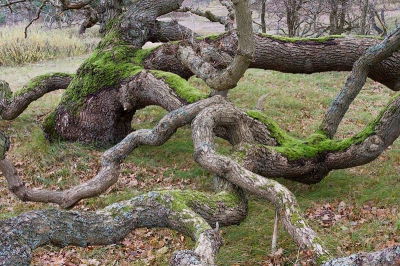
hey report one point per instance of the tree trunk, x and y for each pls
(263, 25)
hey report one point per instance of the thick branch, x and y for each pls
(65, 4)
(170, 31)
(12, 107)
(91, 19)
(385, 257)
(170, 209)
(224, 20)
(310, 160)
(227, 78)
(356, 81)
(203, 134)
(137, 20)
(288, 55)
(111, 159)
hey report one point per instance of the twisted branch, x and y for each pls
(356, 81)
(111, 160)
(13, 105)
(169, 209)
(227, 78)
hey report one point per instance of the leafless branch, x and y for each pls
(37, 17)
(65, 4)
(9, 4)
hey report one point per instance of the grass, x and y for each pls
(43, 44)
(297, 102)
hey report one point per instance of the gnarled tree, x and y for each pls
(120, 77)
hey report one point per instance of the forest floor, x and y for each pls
(353, 210)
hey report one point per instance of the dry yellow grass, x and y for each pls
(42, 44)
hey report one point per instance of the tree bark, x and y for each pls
(176, 210)
(303, 55)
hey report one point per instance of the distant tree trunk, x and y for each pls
(292, 15)
(263, 25)
(364, 5)
(337, 16)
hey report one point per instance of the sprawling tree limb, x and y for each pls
(226, 116)
(356, 81)
(111, 159)
(66, 4)
(137, 20)
(12, 106)
(290, 55)
(170, 31)
(227, 78)
(206, 14)
(228, 21)
(385, 257)
(171, 209)
(91, 19)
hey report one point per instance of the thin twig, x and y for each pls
(260, 101)
(275, 234)
(37, 17)
(12, 3)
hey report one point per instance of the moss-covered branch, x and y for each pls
(356, 81)
(169, 209)
(13, 105)
(233, 120)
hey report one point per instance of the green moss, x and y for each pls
(276, 132)
(295, 220)
(141, 54)
(298, 39)
(5, 91)
(113, 61)
(181, 86)
(210, 37)
(316, 144)
(369, 37)
(322, 258)
(37, 82)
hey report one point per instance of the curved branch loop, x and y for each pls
(12, 106)
(204, 126)
(111, 159)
